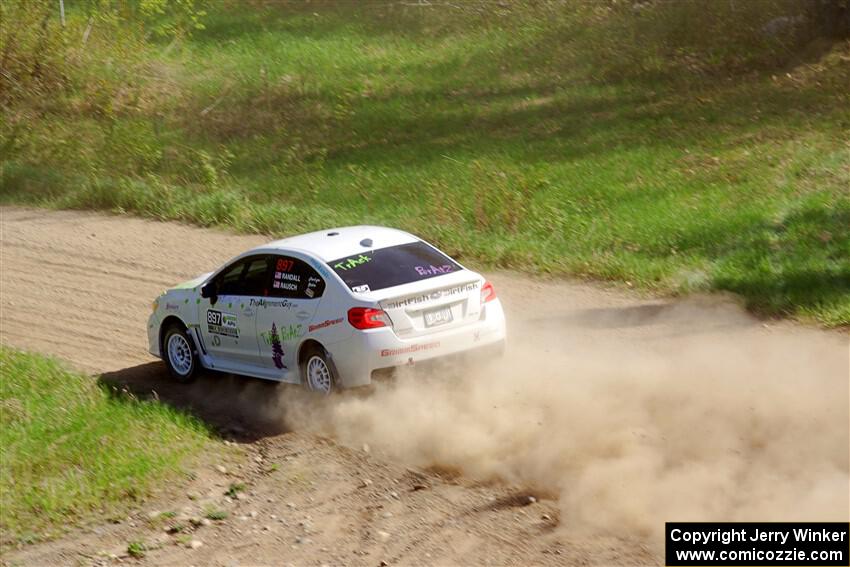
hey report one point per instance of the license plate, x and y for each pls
(438, 317)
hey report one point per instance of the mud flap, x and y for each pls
(200, 348)
(199, 341)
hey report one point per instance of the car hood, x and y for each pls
(193, 282)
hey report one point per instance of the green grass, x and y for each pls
(234, 489)
(73, 450)
(136, 549)
(674, 152)
(215, 514)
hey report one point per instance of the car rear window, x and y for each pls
(396, 265)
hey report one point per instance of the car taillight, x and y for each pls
(488, 292)
(368, 318)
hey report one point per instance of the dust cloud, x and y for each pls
(700, 415)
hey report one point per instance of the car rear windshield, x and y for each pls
(396, 265)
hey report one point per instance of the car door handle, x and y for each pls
(301, 315)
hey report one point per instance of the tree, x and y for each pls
(277, 349)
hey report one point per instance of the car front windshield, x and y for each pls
(395, 265)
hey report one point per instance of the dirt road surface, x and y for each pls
(614, 413)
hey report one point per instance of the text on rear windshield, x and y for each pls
(392, 266)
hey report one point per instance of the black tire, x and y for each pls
(178, 352)
(318, 374)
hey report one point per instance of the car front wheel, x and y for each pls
(180, 357)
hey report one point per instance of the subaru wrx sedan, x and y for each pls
(327, 310)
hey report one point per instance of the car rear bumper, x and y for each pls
(367, 351)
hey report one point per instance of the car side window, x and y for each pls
(228, 282)
(248, 276)
(295, 279)
(255, 278)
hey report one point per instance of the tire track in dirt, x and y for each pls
(81, 284)
(619, 411)
(69, 288)
(89, 265)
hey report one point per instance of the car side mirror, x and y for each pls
(208, 292)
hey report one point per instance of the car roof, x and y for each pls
(335, 243)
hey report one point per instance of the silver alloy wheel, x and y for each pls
(180, 354)
(318, 375)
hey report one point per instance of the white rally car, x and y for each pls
(326, 309)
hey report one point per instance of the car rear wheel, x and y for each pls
(179, 354)
(317, 373)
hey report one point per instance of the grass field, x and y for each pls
(673, 148)
(72, 450)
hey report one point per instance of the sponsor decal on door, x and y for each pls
(220, 323)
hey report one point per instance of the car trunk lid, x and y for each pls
(433, 305)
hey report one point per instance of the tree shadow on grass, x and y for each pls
(542, 120)
(793, 290)
(477, 103)
(797, 264)
(243, 409)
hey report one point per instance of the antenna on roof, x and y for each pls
(367, 242)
